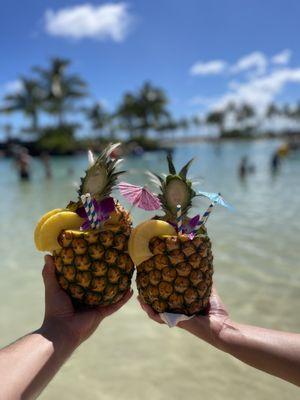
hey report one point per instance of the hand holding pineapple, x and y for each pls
(74, 326)
(89, 240)
(207, 327)
(29, 364)
(174, 266)
(174, 263)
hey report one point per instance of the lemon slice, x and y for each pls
(138, 246)
(52, 227)
(40, 223)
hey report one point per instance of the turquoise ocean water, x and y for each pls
(257, 273)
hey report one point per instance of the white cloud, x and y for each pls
(261, 91)
(282, 58)
(201, 101)
(12, 86)
(214, 67)
(255, 61)
(106, 21)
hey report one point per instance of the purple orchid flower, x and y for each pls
(189, 228)
(102, 208)
(193, 222)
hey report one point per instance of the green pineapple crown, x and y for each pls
(176, 189)
(101, 177)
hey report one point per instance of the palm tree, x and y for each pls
(127, 112)
(139, 112)
(27, 101)
(99, 118)
(62, 89)
(245, 112)
(152, 103)
(216, 118)
(272, 110)
(8, 129)
(196, 121)
(244, 116)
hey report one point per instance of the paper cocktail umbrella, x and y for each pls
(216, 199)
(139, 196)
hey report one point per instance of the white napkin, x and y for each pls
(172, 319)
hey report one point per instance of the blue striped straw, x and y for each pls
(179, 218)
(90, 210)
(206, 214)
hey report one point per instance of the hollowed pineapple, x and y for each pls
(93, 266)
(178, 276)
(174, 272)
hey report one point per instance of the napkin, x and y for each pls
(173, 319)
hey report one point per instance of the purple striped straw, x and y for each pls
(90, 210)
(205, 215)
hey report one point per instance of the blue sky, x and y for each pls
(204, 53)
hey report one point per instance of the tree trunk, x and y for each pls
(60, 118)
(34, 123)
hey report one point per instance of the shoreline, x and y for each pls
(8, 148)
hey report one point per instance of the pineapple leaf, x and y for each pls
(101, 177)
(110, 148)
(161, 180)
(184, 170)
(172, 169)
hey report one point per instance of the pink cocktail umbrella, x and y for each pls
(139, 196)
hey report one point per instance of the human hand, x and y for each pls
(208, 327)
(61, 316)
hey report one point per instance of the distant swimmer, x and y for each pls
(46, 162)
(277, 157)
(23, 160)
(275, 162)
(245, 168)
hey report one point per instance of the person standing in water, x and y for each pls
(23, 160)
(46, 162)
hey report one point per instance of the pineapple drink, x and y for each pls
(174, 269)
(92, 262)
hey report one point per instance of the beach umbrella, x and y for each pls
(139, 196)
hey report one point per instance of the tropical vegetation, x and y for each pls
(57, 105)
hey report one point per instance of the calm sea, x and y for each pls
(257, 273)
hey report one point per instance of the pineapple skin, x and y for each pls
(178, 278)
(94, 266)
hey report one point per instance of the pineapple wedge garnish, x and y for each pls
(51, 228)
(42, 220)
(138, 246)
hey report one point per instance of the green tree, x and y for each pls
(28, 100)
(217, 118)
(144, 110)
(127, 114)
(244, 113)
(152, 103)
(296, 113)
(62, 90)
(272, 110)
(196, 121)
(101, 120)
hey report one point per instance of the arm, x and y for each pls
(274, 352)
(28, 365)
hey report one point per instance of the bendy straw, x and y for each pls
(206, 214)
(179, 218)
(90, 210)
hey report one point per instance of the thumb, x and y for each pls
(49, 276)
